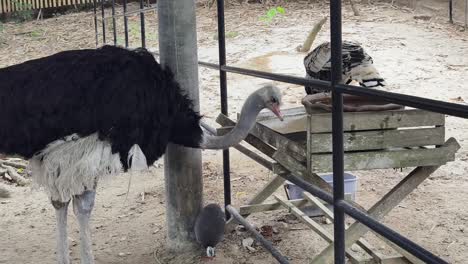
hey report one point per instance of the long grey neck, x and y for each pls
(252, 106)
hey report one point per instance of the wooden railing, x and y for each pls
(9, 6)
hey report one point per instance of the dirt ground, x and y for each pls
(420, 57)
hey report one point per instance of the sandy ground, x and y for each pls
(417, 57)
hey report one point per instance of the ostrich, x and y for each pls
(87, 114)
(209, 228)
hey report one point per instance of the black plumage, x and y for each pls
(209, 226)
(125, 96)
(357, 65)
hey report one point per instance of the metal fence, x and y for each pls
(340, 206)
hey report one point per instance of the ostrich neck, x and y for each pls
(252, 106)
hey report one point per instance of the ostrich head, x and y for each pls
(267, 97)
(271, 97)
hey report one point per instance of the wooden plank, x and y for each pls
(380, 139)
(261, 196)
(352, 121)
(277, 140)
(267, 190)
(380, 209)
(323, 233)
(300, 170)
(290, 124)
(387, 159)
(263, 207)
(296, 121)
(329, 214)
(395, 260)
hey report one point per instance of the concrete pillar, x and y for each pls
(183, 173)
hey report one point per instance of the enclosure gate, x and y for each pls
(340, 206)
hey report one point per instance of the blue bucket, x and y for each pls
(294, 192)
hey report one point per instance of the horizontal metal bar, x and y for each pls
(401, 99)
(271, 76)
(265, 243)
(388, 233)
(408, 100)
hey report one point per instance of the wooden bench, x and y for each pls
(302, 145)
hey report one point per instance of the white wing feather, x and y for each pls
(137, 158)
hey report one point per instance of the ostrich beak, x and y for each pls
(275, 108)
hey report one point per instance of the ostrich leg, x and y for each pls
(82, 207)
(61, 210)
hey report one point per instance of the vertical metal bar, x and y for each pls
(103, 22)
(142, 24)
(125, 22)
(95, 22)
(114, 29)
(451, 11)
(337, 130)
(224, 103)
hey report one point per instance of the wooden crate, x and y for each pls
(372, 140)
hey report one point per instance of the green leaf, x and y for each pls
(271, 13)
(280, 10)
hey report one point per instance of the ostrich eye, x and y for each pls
(273, 100)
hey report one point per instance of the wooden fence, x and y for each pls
(8, 6)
